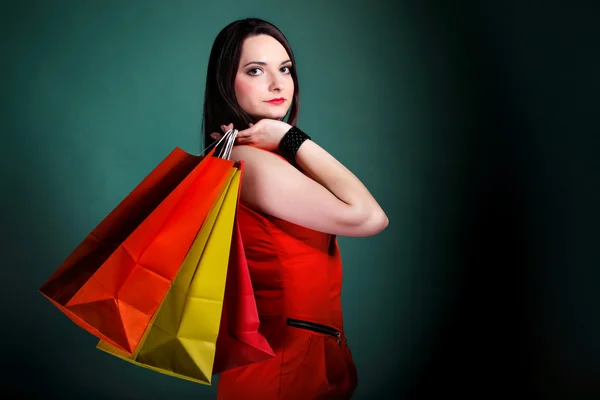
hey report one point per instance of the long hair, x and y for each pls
(220, 104)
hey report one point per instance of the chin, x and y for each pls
(270, 115)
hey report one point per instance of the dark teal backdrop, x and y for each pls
(473, 124)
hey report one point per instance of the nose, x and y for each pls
(276, 83)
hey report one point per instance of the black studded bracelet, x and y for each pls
(291, 142)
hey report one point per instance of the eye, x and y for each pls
(254, 71)
(287, 69)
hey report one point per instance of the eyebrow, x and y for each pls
(264, 63)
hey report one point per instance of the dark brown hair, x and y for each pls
(220, 104)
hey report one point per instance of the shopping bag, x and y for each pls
(101, 242)
(181, 339)
(239, 342)
(114, 292)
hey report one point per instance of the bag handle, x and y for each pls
(229, 138)
(230, 141)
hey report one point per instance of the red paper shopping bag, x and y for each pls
(239, 341)
(113, 292)
(99, 244)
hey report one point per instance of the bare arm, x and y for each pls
(334, 201)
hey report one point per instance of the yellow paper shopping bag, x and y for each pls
(181, 339)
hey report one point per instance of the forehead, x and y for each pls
(263, 48)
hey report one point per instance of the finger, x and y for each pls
(215, 136)
(242, 136)
(243, 139)
(246, 132)
(226, 128)
(250, 124)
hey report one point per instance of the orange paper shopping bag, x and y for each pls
(113, 282)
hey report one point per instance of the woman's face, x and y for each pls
(264, 87)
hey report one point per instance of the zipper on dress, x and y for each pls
(312, 326)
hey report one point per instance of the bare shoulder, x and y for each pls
(252, 154)
(264, 171)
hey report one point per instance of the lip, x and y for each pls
(277, 101)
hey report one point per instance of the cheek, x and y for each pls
(243, 91)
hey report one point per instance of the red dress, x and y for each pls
(297, 279)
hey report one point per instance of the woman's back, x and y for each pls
(296, 272)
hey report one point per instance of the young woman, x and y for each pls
(295, 199)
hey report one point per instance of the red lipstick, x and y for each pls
(277, 101)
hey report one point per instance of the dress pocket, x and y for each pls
(295, 350)
(336, 363)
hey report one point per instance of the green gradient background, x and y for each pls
(463, 122)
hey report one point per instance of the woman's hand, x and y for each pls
(265, 134)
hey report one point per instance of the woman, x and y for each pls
(295, 199)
